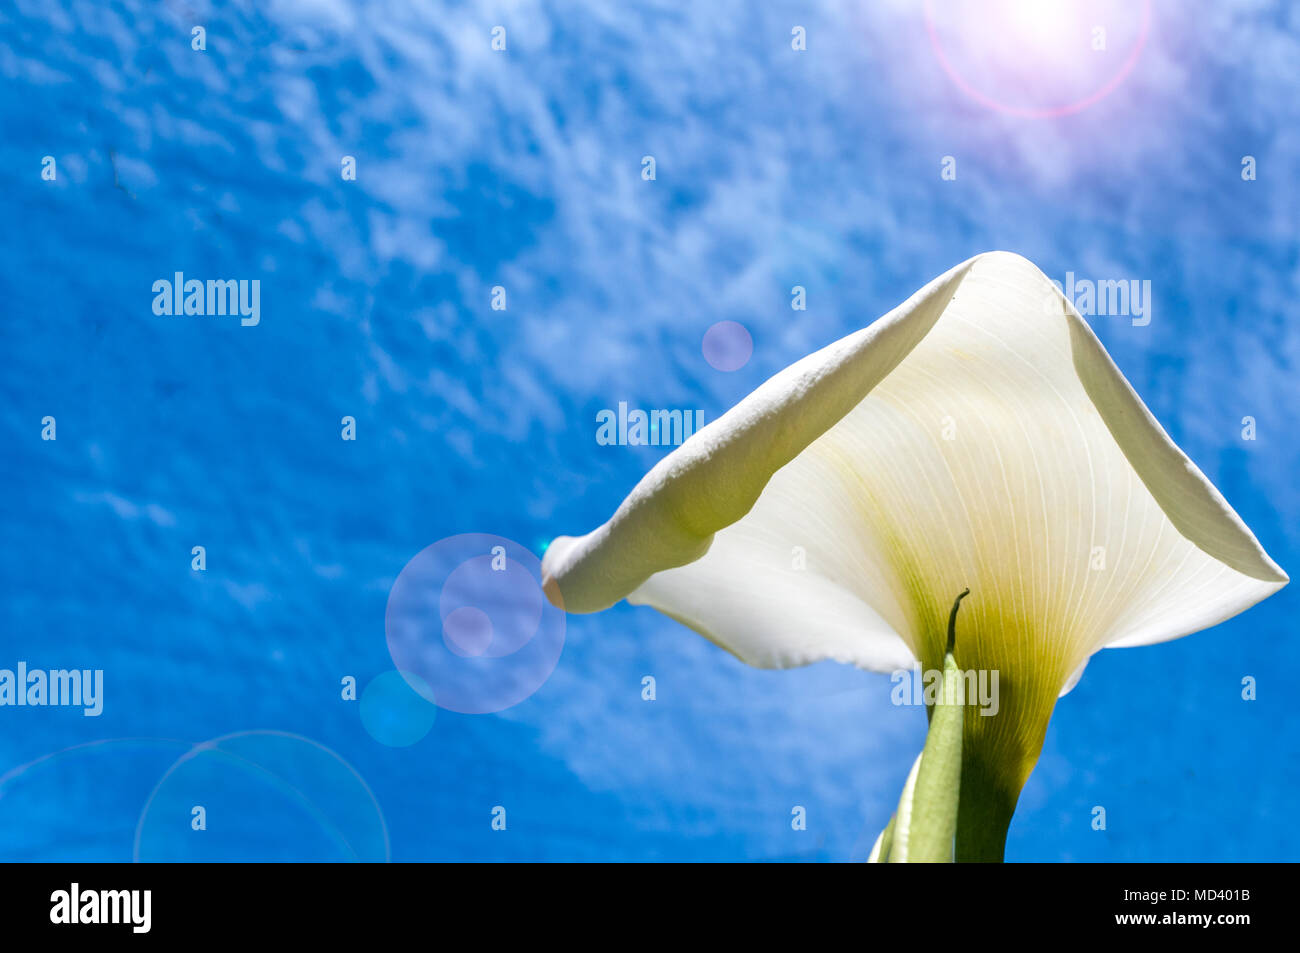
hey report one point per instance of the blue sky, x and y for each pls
(522, 168)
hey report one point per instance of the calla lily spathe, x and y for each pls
(977, 436)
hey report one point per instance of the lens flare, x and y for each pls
(1037, 59)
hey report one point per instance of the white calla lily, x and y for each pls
(977, 436)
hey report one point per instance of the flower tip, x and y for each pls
(552, 590)
(952, 620)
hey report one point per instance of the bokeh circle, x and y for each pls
(397, 709)
(81, 803)
(467, 617)
(727, 346)
(267, 796)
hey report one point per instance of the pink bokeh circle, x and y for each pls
(467, 615)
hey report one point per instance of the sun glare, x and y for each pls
(1038, 58)
(1039, 23)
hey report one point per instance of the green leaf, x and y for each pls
(938, 780)
(927, 814)
(880, 852)
(903, 819)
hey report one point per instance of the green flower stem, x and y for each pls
(984, 813)
(962, 791)
(953, 805)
